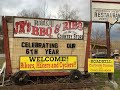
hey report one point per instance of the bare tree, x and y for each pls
(68, 13)
(97, 36)
(29, 13)
(45, 7)
(37, 12)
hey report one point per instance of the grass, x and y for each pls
(104, 76)
(117, 76)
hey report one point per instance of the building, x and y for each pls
(115, 45)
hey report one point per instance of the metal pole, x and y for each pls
(108, 46)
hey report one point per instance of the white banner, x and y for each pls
(48, 28)
(103, 11)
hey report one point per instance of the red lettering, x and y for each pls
(45, 31)
(74, 25)
(65, 26)
(61, 65)
(49, 31)
(25, 27)
(42, 31)
(16, 27)
(35, 30)
(22, 26)
(21, 65)
(57, 28)
(28, 27)
(26, 65)
(79, 25)
(69, 25)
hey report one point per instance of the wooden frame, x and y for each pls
(88, 46)
(6, 46)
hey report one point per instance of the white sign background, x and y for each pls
(71, 33)
(103, 11)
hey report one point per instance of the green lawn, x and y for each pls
(117, 76)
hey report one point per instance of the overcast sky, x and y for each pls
(12, 7)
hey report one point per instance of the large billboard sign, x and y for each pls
(102, 11)
(47, 28)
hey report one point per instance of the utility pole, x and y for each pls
(108, 46)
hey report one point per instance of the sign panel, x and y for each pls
(103, 11)
(101, 65)
(48, 28)
(48, 62)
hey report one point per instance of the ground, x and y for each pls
(97, 81)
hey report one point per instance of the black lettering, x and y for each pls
(57, 51)
(22, 44)
(41, 59)
(57, 58)
(27, 51)
(32, 59)
(46, 50)
(100, 61)
(52, 51)
(39, 45)
(38, 59)
(63, 58)
(47, 59)
(36, 51)
(51, 58)
(35, 22)
(31, 51)
(71, 45)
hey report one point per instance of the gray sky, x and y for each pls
(12, 7)
(109, 0)
(114, 31)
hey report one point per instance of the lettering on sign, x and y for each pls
(31, 51)
(101, 65)
(103, 11)
(71, 45)
(42, 28)
(32, 47)
(52, 51)
(39, 45)
(48, 62)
